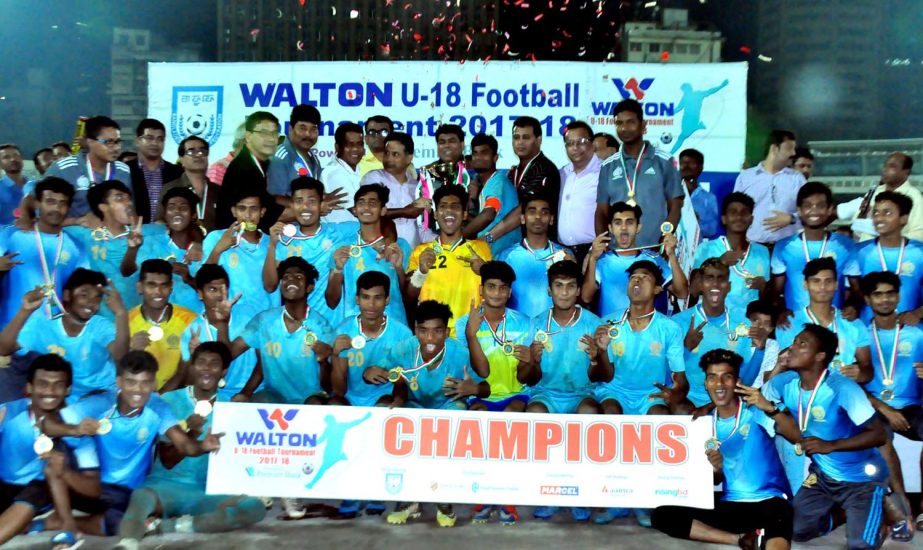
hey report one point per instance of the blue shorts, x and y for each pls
(498, 406)
(178, 499)
(559, 402)
(631, 402)
(861, 501)
(111, 504)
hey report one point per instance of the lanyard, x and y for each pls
(439, 246)
(303, 324)
(631, 182)
(49, 274)
(575, 316)
(804, 247)
(900, 256)
(305, 169)
(501, 327)
(803, 415)
(159, 320)
(356, 250)
(740, 408)
(887, 373)
(384, 327)
(727, 320)
(551, 256)
(92, 176)
(258, 165)
(200, 208)
(517, 176)
(816, 321)
(299, 236)
(739, 266)
(426, 364)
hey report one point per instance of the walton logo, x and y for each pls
(632, 87)
(277, 417)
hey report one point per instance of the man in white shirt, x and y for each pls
(579, 180)
(343, 170)
(894, 177)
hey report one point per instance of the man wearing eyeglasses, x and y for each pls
(249, 169)
(92, 166)
(579, 180)
(377, 128)
(150, 171)
(193, 156)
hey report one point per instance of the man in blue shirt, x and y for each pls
(497, 196)
(12, 183)
(791, 254)
(615, 250)
(832, 422)
(745, 462)
(294, 158)
(705, 203)
(531, 257)
(175, 488)
(36, 471)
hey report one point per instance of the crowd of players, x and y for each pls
(137, 294)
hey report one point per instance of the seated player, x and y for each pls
(429, 371)
(89, 342)
(531, 257)
(35, 470)
(212, 285)
(181, 245)
(642, 371)
(565, 359)
(157, 326)
(714, 324)
(125, 426)
(241, 250)
(607, 265)
(894, 390)
(447, 270)
(749, 262)
(174, 491)
(833, 423)
(368, 251)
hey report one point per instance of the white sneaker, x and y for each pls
(294, 508)
(267, 502)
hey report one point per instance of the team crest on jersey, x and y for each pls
(173, 341)
(907, 267)
(64, 257)
(83, 183)
(656, 347)
(744, 431)
(818, 413)
(196, 111)
(810, 481)
(617, 173)
(904, 348)
(142, 435)
(326, 244)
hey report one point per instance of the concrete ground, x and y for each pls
(372, 533)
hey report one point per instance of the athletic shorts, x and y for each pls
(862, 502)
(178, 499)
(558, 402)
(631, 402)
(35, 494)
(914, 416)
(112, 503)
(498, 406)
(774, 515)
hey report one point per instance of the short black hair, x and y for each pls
(870, 282)
(483, 139)
(565, 269)
(4, 146)
(50, 362)
(382, 192)
(370, 279)
(610, 139)
(578, 125)
(908, 160)
(629, 106)
(826, 338)
(259, 116)
(529, 122)
(304, 113)
(431, 309)
(778, 137)
(495, 269)
(181, 192)
(67, 145)
(306, 182)
(536, 195)
(99, 194)
(181, 149)
(208, 273)
(54, 184)
(249, 192)
(137, 362)
(762, 307)
(903, 202)
(715, 263)
(403, 139)
(339, 135)
(625, 207)
(93, 126)
(381, 119)
(39, 153)
(81, 277)
(721, 356)
(739, 198)
(150, 124)
(216, 347)
(297, 262)
(156, 266)
(453, 129)
(812, 188)
(817, 265)
(648, 266)
(802, 153)
(694, 154)
(451, 190)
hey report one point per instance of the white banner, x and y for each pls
(460, 456)
(686, 105)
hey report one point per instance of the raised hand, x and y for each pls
(694, 334)
(32, 300)
(475, 261)
(427, 260)
(600, 245)
(135, 237)
(113, 298)
(7, 262)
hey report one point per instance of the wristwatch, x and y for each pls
(779, 407)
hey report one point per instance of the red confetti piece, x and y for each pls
(486, 60)
(417, 36)
(301, 2)
(417, 15)
(746, 49)
(254, 32)
(386, 48)
(556, 44)
(539, 16)
(664, 56)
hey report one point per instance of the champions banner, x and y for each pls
(460, 456)
(686, 105)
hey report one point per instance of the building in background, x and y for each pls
(671, 40)
(852, 167)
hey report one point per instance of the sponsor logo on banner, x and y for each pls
(197, 111)
(562, 490)
(394, 482)
(632, 87)
(675, 493)
(277, 418)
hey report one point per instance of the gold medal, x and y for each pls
(508, 348)
(712, 444)
(666, 228)
(887, 394)
(155, 333)
(105, 426)
(310, 339)
(613, 332)
(98, 234)
(249, 226)
(888, 382)
(395, 374)
(203, 408)
(631, 202)
(837, 364)
(48, 290)
(414, 385)
(43, 445)
(742, 330)
(798, 450)
(355, 251)
(541, 336)
(183, 425)
(437, 249)
(358, 342)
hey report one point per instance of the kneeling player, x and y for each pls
(745, 462)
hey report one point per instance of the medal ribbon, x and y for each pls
(49, 275)
(303, 323)
(813, 318)
(499, 339)
(517, 176)
(426, 364)
(739, 266)
(525, 243)
(384, 327)
(452, 248)
(361, 244)
(740, 408)
(803, 415)
(299, 236)
(159, 319)
(889, 373)
(804, 247)
(900, 256)
(304, 164)
(573, 319)
(258, 165)
(92, 176)
(200, 208)
(634, 179)
(191, 391)
(727, 320)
